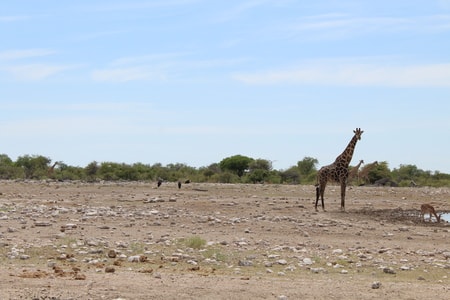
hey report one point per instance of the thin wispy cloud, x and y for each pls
(354, 74)
(339, 22)
(149, 67)
(160, 67)
(139, 5)
(35, 72)
(148, 58)
(240, 9)
(67, 125)
(25, 53)
(13, 18)
(435, 23)
(127, 74)
(336, 26)
(13, 63)
(445, 4)
(97, 35)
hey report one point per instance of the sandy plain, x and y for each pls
(119, 240)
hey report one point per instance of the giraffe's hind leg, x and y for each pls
(320, 190)
(317, 196)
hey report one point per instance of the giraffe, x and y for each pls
(353, 172)
(52, 168)
(337, 171)
(364, 174)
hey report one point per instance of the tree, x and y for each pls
(410, 174)
(379, 171)
(210, 170)
(307, 169)
(91, 170)
(237, 164)
(260, 164)
(291, 175)
(7, 169)
(259, 170)
(35, 166)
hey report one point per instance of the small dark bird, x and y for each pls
(179, 184)
(159, 182)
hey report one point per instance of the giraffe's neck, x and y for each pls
(346, 156)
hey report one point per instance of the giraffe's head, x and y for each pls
(358, 132)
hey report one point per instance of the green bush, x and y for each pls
(195, 242)
(234, 169)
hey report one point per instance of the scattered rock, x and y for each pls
(245, 263)
(137, 258)
(337, 251)
(110, 269)
(112, 253)
(42, 223)
(376, 285)
(79, 276)
(317, 270)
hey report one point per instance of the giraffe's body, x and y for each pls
(337, 171)
(364, 174)
(52, 169)
(353, 173)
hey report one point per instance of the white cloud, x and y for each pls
(335, 26)
(159, 67)
(241, 8)
(148, 58)
(34, 72)
(127, 74)
(22, 54)
(13, 18)
(140, 5)
(354, 74)
(445, 4)
(29, 71)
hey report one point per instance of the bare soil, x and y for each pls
(75, 240)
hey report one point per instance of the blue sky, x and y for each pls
(195, 81)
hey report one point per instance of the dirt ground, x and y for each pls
(74, 240)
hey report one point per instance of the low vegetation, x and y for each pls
(233, 169)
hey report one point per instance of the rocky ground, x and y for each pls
(74, 240)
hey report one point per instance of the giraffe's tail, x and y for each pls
(317, 190)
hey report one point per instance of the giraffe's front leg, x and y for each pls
(343, 187)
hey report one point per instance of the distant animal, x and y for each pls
(353, 172)
(159, 182)
(52, 169)
(385, 182)
(179, 184)
(364, 173)
(187, 181)
(428, 209)
(337, 171)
